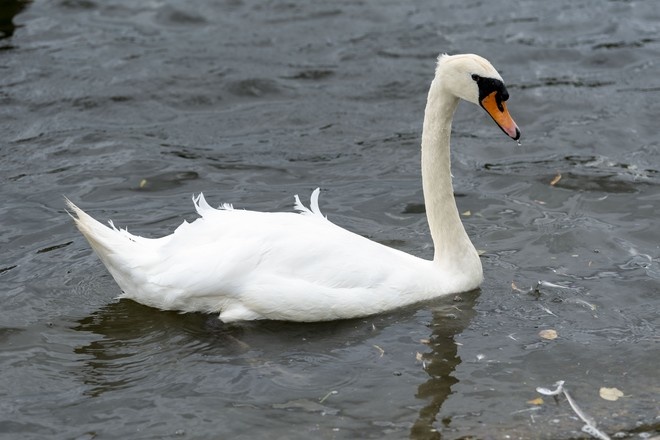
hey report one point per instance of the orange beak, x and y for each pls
(497, 110)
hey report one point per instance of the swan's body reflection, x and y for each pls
(440, 362)
(138, 353)
(8, 10)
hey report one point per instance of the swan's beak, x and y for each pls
(497, 110)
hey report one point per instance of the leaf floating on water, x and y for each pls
(537, 401)
(466, 213)
(555, 179)
(611, 394)
(143, 183)
(548, 334)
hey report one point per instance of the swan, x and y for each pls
(298, 266)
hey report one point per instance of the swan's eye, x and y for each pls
(476, 77)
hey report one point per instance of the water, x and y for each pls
(128, 108)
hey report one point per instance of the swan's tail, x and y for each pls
(119, 250)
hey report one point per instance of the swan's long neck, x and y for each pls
(453, 248)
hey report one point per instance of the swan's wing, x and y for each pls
(251, 265)
(275, 265)
(238, 245)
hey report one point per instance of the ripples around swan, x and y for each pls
(290, 370)
(129, 108)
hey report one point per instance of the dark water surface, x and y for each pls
(129, 108)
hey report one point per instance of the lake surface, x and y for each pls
(130, 108)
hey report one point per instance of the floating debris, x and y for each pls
(419, 357)
(582, 302)
(382, 352)
(331, 393)
(611, 394)
(537, 401)
(590, 424)
(542, 283)
(555, 179)
(536, 289)
(307, 405)
(548, 334)
(546, 310)
(534, 408)
(53, 248)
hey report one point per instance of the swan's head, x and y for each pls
(474, 79)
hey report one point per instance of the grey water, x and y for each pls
(130, 108)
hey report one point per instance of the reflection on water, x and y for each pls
(137, 347)
(8, 10)
(132, 334)
(441, 362)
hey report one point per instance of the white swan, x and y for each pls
(248, 265)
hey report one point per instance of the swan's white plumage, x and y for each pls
(242, 264)
(249, 265)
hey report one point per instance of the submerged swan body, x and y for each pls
(248, 265)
